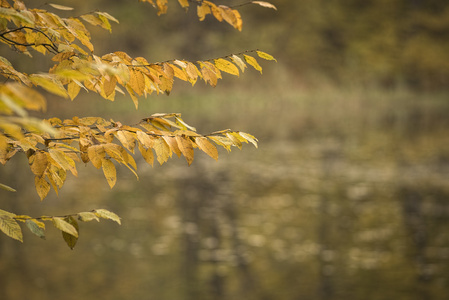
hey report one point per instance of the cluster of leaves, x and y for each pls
(54, 146)
(204, 8)
(68, 224)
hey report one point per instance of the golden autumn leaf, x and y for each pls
(96, 154)
(249, 138)
(147, 154)
(136, 81)
(226, 66)
(65, 226)
(73, 89)
(106, 214)
(209, 76)
(184, 3)
(50, 84)
(235, 140)
(207, 147)
(203, 10)
(38, 162)
(60, 7)
(265, 55)
(186, 147)
(128, 139)
(109, 172)
(109, 85)
(87, 217)
(173, 144)
(253, 62)
(9, 226)
(70, 239)
(162, 150)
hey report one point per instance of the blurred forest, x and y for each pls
(346, 197)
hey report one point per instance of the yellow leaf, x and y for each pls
(7, 188)
(73, 89)
(87, 216)
(215, 11)
(63, 160)
(60, 7)
(207, 147)
(128, 139)
(114, 151)
(49, 83)
(106, 214)
(42, 186)
(64, 226)
(222, 141)
(147, 154)
(162, 150)
(184, 3)
(253, 62)
(231, 16)
(249, 138)
(265, 4)
(239, 62)
(226, 66)
(132, 95)
(38, 163)
(171, 142)
(94, 20)
(109, 85)
(192, 72)
(69, 238)
(265, 55)
(109, 172)
(202, 11)
(235, 141)
(96, 154)
(137, 81)
(181, 74)
(9, 226)
(144, 139)
(186, 147)
(209, 76)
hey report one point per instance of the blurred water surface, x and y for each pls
(345, 198)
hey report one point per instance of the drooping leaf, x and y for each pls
(96, 155)
(226, 66)
(249, 138)
(42, 186)
(253, 62)
(65, 226)
(9, 226)
(38, 162)
(239, 62)
(7, 188)
(50, 84)
(109, 172)
(207, 147)
(265, 4)
(265, 55)
(106, 214)
(69, 238)
(87, 216)
(35, 228)
(186, 147)
(60, 7)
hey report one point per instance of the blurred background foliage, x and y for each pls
(346, 197)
